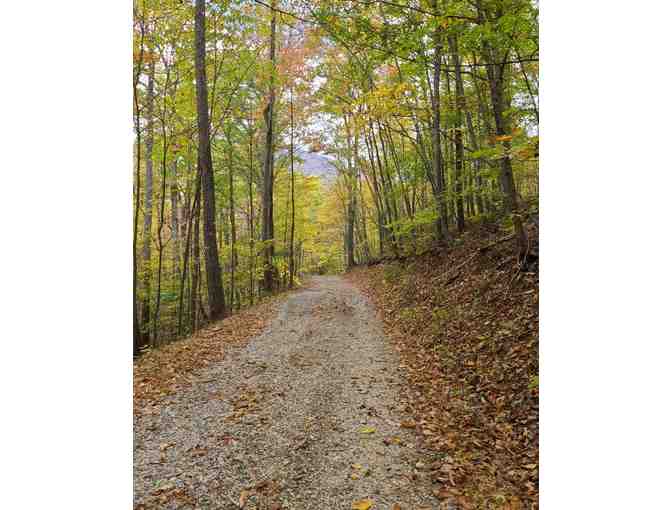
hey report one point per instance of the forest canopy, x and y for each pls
(425, 115)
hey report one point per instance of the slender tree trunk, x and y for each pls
(380, 210)
(459, 145)
(436, 133)
(232, 219)
(478, 162)
(365, 236)
(162, 208)
(291, 170)
(185, 261)
(213, 272)
(385, 193)
(253, 255)
(385, 174)
(196, 256)
(221, 236)
(267, 234)
(137, 339)
(174, 223)
(496, 80)
(351, 204)
(397, 166)
(147, 226)
(485, 129)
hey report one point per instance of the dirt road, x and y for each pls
(305, 416)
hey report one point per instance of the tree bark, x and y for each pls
(496, 80)
(267, 233)
(253, 255)
(147, 224)
(437, 160)
(137, 340)
(459, 144)
(174, 223)
(185, 261)
(213, 272)
(291, 169)
(351, 204)
(232, 219)
(196, 265)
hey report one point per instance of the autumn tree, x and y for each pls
(213, 271)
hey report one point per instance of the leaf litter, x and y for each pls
(467, 336)
(282, 419)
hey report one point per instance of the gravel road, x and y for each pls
(305, 416)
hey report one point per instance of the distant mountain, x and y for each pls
(316, 164)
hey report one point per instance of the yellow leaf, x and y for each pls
(367, 430)
(357, 466)
(243, 498)
(354, 476)
(503, 138)
(362, 504)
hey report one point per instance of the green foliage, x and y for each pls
(361, 87)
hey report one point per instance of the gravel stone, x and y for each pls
(287, 418)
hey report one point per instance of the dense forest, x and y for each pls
(427, 112)
(280, 144)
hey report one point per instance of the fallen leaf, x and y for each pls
(362, 504)
(367, 430)
(408, 424)
(243, 498)
(443, 494)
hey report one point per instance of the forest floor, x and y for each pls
(302, 411)
(465, 322)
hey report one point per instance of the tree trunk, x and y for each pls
(253, 255)
(174, 223)
(478, 162)
(459, 145)
(351, 204)
(147, 225)
(162, 210)
(362, 215)
(267, 233)
(137, 340)
(185, 261)
(436, 134)
(291, 169)
(495, 72)
(232, 219)
(196, 266)
(213, 272)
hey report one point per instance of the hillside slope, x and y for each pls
(465, 321)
